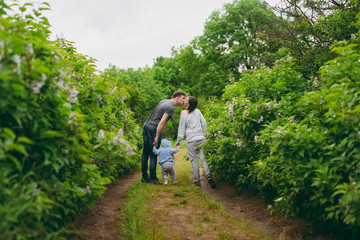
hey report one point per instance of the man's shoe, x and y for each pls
(212, 183)
(155, 182)
(145, 179)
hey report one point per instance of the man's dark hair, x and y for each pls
(192, 103)
(178, 93)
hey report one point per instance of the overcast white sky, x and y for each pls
(130, 33)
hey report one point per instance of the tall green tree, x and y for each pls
(143, 90)
(234, 38)
(309, 27)
(237, 36)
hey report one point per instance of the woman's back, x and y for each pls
(192, 125)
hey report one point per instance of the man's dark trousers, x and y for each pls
(148, 139)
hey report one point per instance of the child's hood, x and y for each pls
(165, 143)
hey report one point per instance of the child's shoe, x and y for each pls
(165, 182)
(197, 184)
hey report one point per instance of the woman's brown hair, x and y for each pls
(192, 103)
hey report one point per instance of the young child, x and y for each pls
(166, 159)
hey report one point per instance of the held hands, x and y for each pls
(155, 143)
(177, 144)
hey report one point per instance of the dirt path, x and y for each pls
(100, 223)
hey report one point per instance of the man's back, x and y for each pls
(165, 106)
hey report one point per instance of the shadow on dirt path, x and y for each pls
(101, 223)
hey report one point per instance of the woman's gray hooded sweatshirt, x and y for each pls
(192, 126)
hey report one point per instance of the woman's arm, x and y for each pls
(203, 122)
(181, 129)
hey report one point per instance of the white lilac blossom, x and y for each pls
(36, 86)
(30, 49)
(231, 79)
(17, 60)
(256, 137)
(72, 119)
(120, 132)
(60, 83)
(281, 134)
(101, 134)
(61, 39)
(87, 190)
(2, 45)
(72, 95)
(235, 134)
(239, 143)
(316, 82)
(292, 120)
(112, 128)
(275, 102)
(359, 134)
(118, 140)
(36, 187)
(57, 58)
(261, 119)
(112, 90)
(231, 110)
(246, 113)
(62, 73)
(268, 105)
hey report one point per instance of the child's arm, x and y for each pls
(156, 151)
(175, 150)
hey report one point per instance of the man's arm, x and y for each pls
(160, 127)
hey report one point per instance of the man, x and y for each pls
(153, 126)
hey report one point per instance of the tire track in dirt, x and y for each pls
(101, 222)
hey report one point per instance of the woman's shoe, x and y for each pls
(212, 183)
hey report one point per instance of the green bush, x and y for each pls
(53, 160)
(295, 140)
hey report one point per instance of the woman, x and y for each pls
(192, 126)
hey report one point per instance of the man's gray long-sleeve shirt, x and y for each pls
(192, 126)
